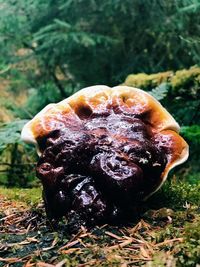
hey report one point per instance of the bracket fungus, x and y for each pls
(102, 151)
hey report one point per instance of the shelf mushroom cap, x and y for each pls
(78, 108)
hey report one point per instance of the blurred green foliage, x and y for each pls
(92, 42)
(50, 49)
(10, 133)
(179, 92)
(17, 158)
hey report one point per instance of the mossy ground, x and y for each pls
(166, 234)
(29, 196)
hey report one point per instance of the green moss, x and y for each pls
(187, 252)
(184, 77)
(145, 81)
(181, 192)
(162, 259)
(184, 250)
(176, 195)
(183, 198)
(179, 81)
(29, 196)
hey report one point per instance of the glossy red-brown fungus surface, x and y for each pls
(96, 170)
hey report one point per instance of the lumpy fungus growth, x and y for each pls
(102, 151)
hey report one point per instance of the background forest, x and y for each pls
(50, 49)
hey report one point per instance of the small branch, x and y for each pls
(58, 84)
(15, 165)
(4, 71)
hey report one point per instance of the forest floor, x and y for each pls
(167, 234)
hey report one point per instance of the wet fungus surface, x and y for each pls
(101, 155)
